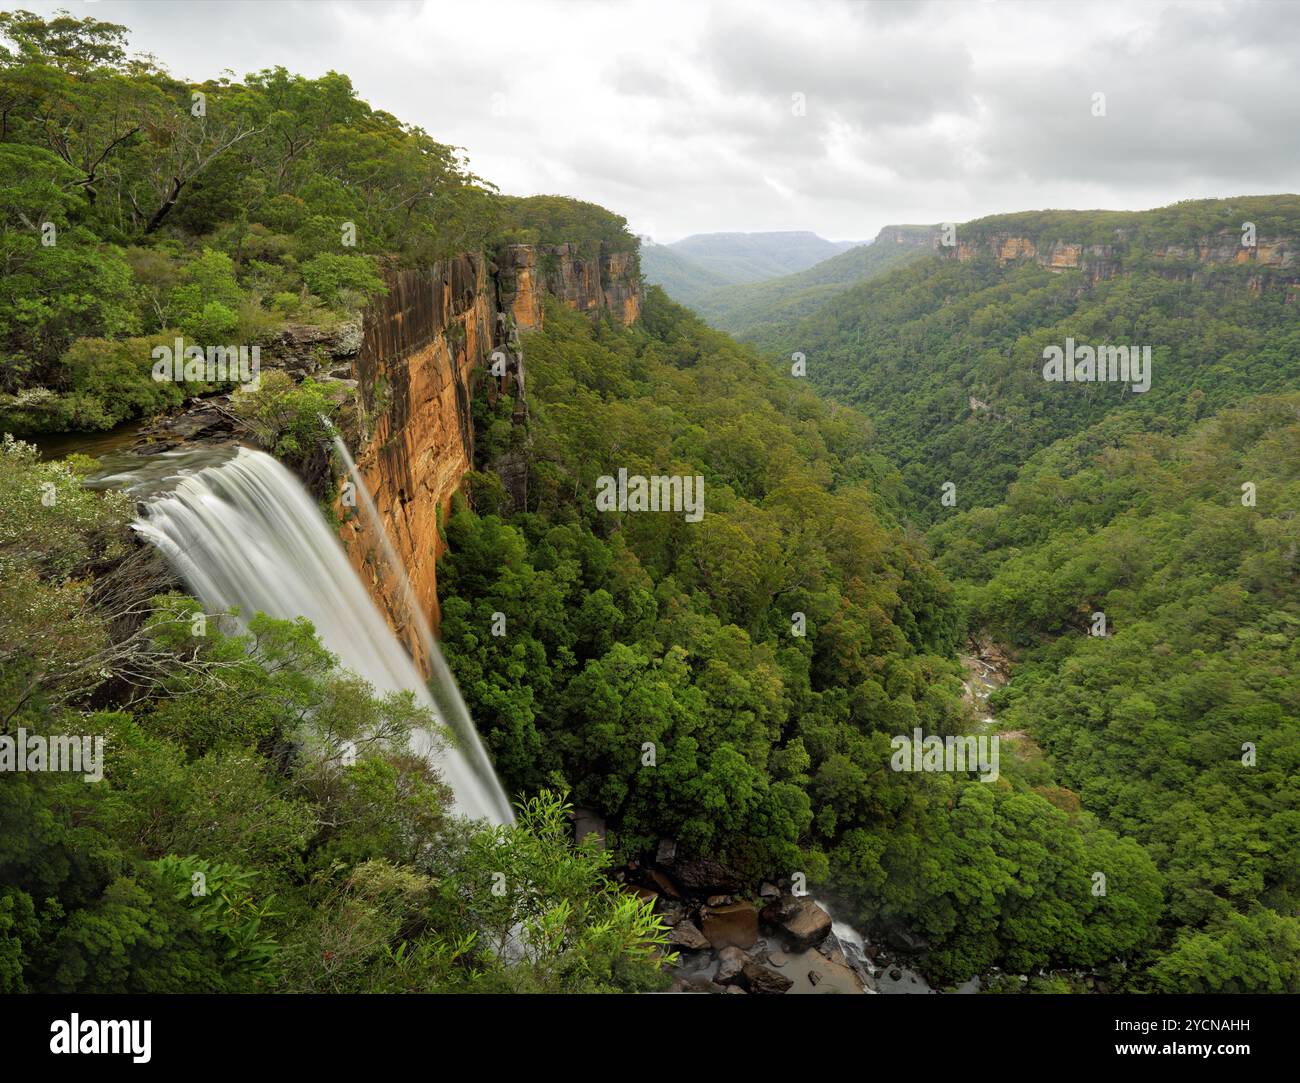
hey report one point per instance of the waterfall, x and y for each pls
(246, 533)
(450, 704)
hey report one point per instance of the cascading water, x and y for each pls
(245, 533)
(451, 705)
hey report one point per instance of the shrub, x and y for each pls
(327, 275)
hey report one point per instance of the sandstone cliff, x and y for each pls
(1278, 255)
(605, 283)
(426, 350)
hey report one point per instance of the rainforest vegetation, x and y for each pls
(1136, 552)
(731, 684)
(772, 748)
(946, 354)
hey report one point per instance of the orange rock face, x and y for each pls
(424, 344)
(1016, 248)
(1099, 261)
(1064, 255)
(606, 282)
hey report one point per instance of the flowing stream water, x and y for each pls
(240, 530)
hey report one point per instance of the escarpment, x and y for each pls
(606, 282)
(1270, 261)
(438, 338)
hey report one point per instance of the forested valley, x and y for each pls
(734, 686)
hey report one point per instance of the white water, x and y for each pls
(451, 705)
(245, 533)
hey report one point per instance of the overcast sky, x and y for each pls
(683, 117)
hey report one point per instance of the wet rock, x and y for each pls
(760, 979)
(685, 935)
(156, 447)
(769, 891)
(718, 900)
(802, 921)
(735, 989)
(732, 925)
(731, 965)
(830, 949)
(666, 854)
(815, 977)
(699, 983)
(202, 421)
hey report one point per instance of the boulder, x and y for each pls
(800, 920)
(732, 925)
(731, 965)
(666, 854)
(200, 423)
(699, 983)
(760, 979)
(686, 935)
(769, 891)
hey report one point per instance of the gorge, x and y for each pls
(506, 704)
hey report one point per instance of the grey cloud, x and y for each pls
(677, 114)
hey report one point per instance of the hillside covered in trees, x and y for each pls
(690, 269)
(1136, 553)
(136, 207)
(946, 355)
(1177, 726)
(750, 310)
(773, 748)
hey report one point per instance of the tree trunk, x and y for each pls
(168, 204)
